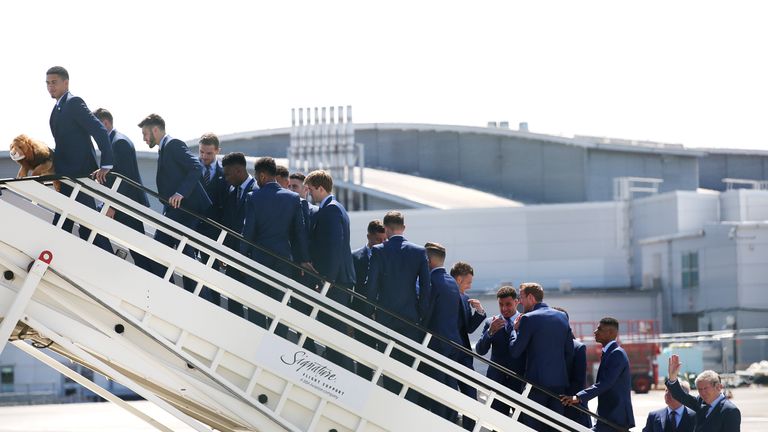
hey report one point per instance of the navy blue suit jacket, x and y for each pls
(725, 417)
(125, 163)
(217, 190)
(72, 126)
(469, 321)
(544, 339)
(446, 312)
(179, 171)
(613, 389)
(272, 218)
(329, 248)
(498, 344)
(360, 261)
(233, 212)
(397, 267)
(657, 420)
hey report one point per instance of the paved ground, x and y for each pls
(108, 417)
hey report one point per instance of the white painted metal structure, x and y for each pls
(204, 365)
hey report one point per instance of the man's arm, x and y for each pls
(476, 318)
(731, 419)
(85, 118)
(189, 164)
(612, 368)
(425, 290)
(518, 345)
(373, 283)
(649, 423)
(674, 385)
(249, 226)
(299, 234)
(484, 344)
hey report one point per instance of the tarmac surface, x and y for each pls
(92, 417)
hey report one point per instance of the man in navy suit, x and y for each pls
(72, 126)
(613, 385)
(398, 281)
(498, 333)
(329, 250)
(577, 374)
(675, 417)
(125, 163)
(241, 185)
(544, 339)
(178, 183)
(273, 219)
(362, 256)
(473, 315)
(443, 321)
(214, 183)
(714, 412)
(296, 184)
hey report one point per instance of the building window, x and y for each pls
(690, 270)
(6, 379)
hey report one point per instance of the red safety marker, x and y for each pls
(46, 257)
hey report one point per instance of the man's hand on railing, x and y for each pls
(569, 400)
(175, 200)
(100, 175)
(110, 213)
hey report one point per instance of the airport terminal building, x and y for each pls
(637, 230)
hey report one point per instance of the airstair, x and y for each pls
(211, 369)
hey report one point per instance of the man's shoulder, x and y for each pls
(358, 253)
(729, 406)
(659, 413)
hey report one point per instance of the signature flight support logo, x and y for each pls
(312, 372)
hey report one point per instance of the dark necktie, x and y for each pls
(207, 175)
(671, 425)
(239, 192)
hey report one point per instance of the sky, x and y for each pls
(686, 72)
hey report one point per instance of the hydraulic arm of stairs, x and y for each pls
(201, 363)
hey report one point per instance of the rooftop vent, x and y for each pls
(523, 127)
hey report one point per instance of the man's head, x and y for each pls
(152, 129)
(265, 170)
(57, 81)
(671, 402)
(208, 147)
(235, 172)
(296, 184)
(531, 293)
(282, 177)
(709, 386)
(435, 255)
(607, 330)
(320, 185)
(394, 223)
(105, 117)
(375, 233)
(463, 273)
(508, 301)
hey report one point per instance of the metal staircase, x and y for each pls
(199, 362)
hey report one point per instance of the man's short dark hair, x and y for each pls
(103, 114)
(235, 158)
(610, 322)
(435, 250)
(534, 289)
(375, 227)
(58, 70)
(462, 269)
(297, 176)
(506, 291)
(320, 178)
(281, 171)
(209, 138)
(394, 219)
(153, 120)
(265, 165)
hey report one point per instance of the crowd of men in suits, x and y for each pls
(403, 286)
